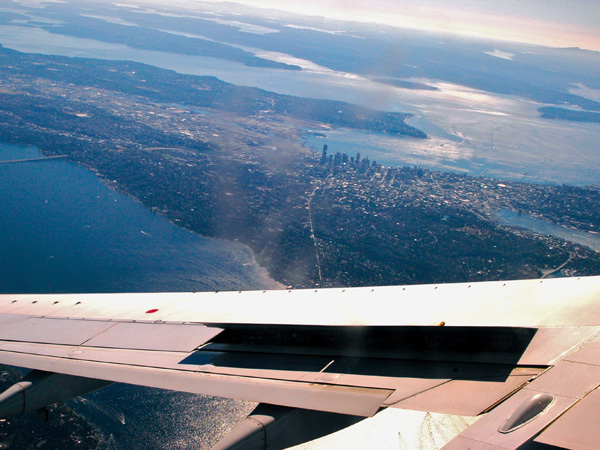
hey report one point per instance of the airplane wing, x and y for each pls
(527, 353)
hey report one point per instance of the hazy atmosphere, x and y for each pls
(187, 146)
(546, 22)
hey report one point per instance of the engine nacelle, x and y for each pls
(39, 389)
(278, 427)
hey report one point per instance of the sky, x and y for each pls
(555, 23)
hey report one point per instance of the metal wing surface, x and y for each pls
(527, 352)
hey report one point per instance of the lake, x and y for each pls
(548, 228)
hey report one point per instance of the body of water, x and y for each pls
(548, 228)
(63, 230)
(469, 130)
(432, 153)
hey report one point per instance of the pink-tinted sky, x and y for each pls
(557, 23)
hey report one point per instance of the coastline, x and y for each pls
(127, 247)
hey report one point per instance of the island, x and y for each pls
(552, 112)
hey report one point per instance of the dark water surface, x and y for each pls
(63, 230)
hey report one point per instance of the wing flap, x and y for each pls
(565, 385)
(108, 334)
(154, 336)
(419, 385)
(53, 331)
(467, 397)
(484, 433)
(159, 359)
(577, 429)
(399, 364)
(319, 396)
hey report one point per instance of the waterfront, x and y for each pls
(545, 227)
(469, 130)
(138, 417)
(63, 230)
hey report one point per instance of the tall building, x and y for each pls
(324, 154)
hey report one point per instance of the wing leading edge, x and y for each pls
(459, 348)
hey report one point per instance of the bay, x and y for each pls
(472, 131)
(482, 128)
(63, 230)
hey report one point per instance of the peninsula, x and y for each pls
(228, 162)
